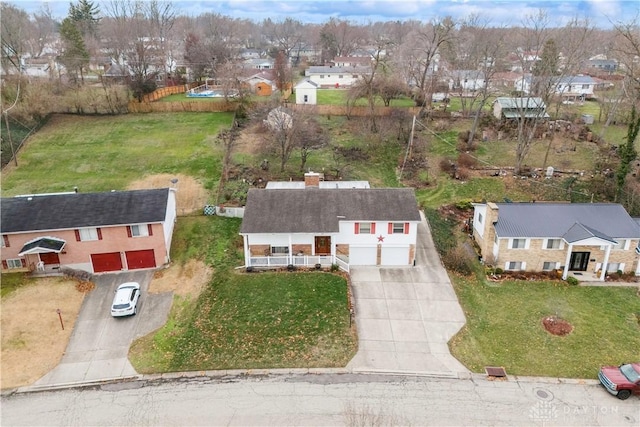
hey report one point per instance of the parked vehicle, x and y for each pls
(621, 381)
(125, 301)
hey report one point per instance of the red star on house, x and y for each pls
(380, 238)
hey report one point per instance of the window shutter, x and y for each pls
(390, 228)
(23, 262)
(373, 228)
(99, 234)
(5, 265)
(406, 228)
(357, 228)
(150, 228)
(128, 231)
(77, 235)
(6, 241)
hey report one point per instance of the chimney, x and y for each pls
(311, 179)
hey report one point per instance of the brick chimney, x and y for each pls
(311, 179)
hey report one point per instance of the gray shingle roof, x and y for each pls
(314, 210)
(554, 220)
(68, 211)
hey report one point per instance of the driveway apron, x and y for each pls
(99, 344)
(405, 316)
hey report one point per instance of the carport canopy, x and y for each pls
(43, 245)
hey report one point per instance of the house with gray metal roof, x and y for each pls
(318, 226)
(519, 108)
(94, 232)
(582, 239)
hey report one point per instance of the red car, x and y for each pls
(621, 381)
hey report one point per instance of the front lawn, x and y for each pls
(248, 320)
(504, 327)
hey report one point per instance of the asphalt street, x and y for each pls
(236, 399)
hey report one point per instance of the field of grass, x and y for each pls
(504, 327)
(13, 281)
(107, 153)
(339, 97)
(241, 320)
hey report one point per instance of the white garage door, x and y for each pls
(395, 256)
(362, 256)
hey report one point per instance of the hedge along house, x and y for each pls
(94, 232)
(320, 225)
(585, 240)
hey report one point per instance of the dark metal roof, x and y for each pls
(554, 220)
(315, 210)
(67, 211)
(43, 245)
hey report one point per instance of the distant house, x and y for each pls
(335, 77)
(569, 87)
(306, 92)
(517, 108)
(466, 80)
(260, 82)
(577, 238)
(324, 226)
(600, 65)
(259, 63)
(94, 232)
(352, 61)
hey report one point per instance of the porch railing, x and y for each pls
(275, 261)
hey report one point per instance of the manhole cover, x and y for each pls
(544, 394)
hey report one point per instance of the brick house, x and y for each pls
(311, 223)
(94, 232)
(587, 239)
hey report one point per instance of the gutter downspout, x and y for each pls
(605, 264)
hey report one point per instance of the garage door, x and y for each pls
(110, 261)
(395, 256)
(362, 256)
(140, 259)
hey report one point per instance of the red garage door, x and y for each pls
(106, 262)
(140, 259)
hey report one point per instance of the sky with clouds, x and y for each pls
(497, 12)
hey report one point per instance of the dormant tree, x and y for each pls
(420, 55)
(339, 38)
(285, 36)
(13, 34)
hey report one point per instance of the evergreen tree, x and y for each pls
(75, 56)
(85, 15)
(549, 63)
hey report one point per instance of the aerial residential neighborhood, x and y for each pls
(193, 197)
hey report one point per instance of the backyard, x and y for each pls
(119, 152)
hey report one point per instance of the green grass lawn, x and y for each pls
(247, 320)
(107, 153)
(504, 327)
(13, 281)
(339, 97)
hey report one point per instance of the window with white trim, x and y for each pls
(553, 244)
(279, 250)
(88, 234)
(3, 242)
(549, 265)
(397, 228)
(518, 243)
(364, 228)
(141, 230)
(515, 265)
(14, 263)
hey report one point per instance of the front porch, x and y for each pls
(312, 261)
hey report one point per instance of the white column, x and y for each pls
(565, 272)
(247, 252)
(605, 264)
(290, 251)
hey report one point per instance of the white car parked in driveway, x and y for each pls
(125, 302)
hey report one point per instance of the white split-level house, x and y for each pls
(329, 76)
(582, 239)
(321, 223)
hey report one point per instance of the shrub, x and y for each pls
(466, 160)
(446, 166)
(459, 260)
(572, 281)
(463, 174)
(499, 270)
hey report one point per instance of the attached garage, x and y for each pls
(362, 255)
(110, 261)
(395, 256)
(140, 259)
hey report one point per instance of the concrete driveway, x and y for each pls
(406, 316)
(99, 344)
